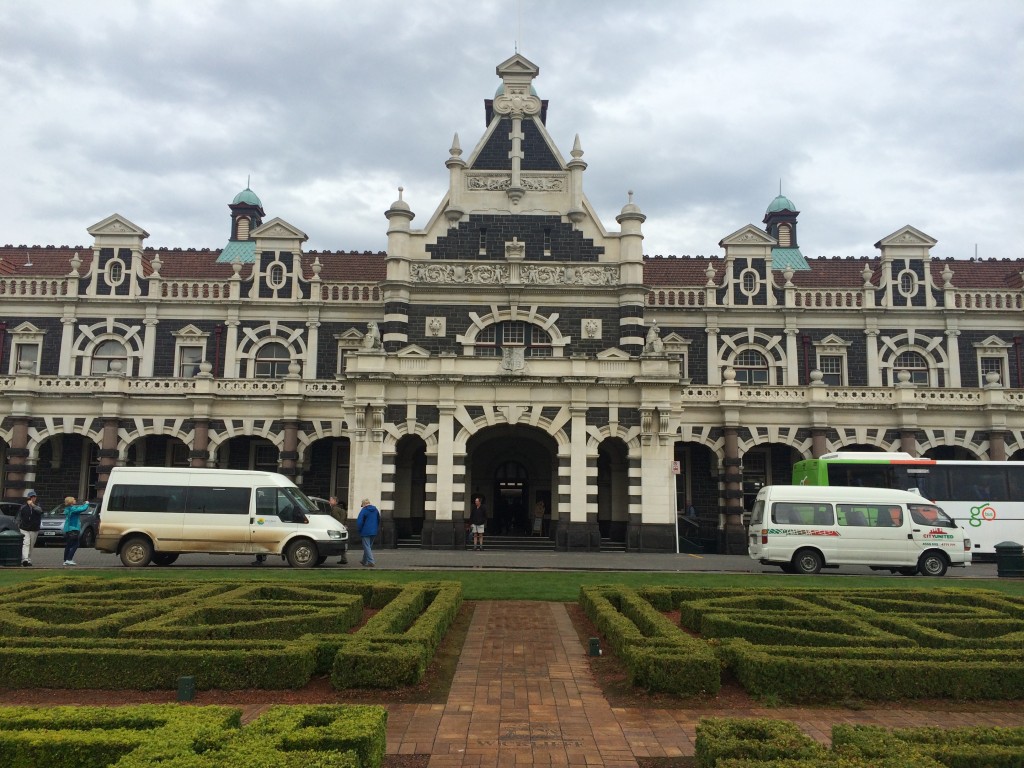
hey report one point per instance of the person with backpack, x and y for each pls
(368, 524)
(30, 517)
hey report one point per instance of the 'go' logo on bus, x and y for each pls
(982, 513)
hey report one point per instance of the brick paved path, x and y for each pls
(523, 695)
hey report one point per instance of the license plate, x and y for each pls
(49, 533)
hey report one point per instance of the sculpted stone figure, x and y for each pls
(654, 344)
(372, 340)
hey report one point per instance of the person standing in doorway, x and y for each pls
(477, 521)
(368, 523)
(72, 528)
(338, 513)
(30, 517)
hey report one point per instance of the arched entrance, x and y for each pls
(157, 451)
(613, 489)
(410, 486)
(515, 469)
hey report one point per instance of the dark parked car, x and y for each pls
(10, 508)
(51, 531)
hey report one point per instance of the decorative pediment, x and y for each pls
(748, 235)
(832, 341)
(351, 335)
(278, 229)
(413, 350)
(190, 332)
(674, 343)
(992, 342)
(612, 353)
(116, 227)
(26, 329)
(517, 65)
(907, 235)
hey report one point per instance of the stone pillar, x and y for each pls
(200, 452)
(443, 528)
(953, 354)
(289, 450)
(148, 348)
(107, 454)
(577, 529)
(17, 468)
(908, 441)
(997, 446)
(735, 536)
(874, 372)
(819, 445)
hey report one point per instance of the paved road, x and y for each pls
(422, 559)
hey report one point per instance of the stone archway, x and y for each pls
(410, 500)
(513, 467)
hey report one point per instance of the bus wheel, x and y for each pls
(136, 552)
(932, 564)
(302, 553)
(807, 562)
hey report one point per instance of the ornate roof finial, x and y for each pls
(577, 150)
(456, 148)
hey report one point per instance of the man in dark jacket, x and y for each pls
(30, 517)
(368, 524)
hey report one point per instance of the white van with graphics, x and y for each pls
(154, 514)
(803, 529)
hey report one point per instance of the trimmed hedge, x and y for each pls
(138, 634)
(171, 736)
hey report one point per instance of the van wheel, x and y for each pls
(302, 553)
(932, 564)
(164, 558)
(807, 562)
(136, 552)
(88, 540)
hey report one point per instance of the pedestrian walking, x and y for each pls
(72, 528)
(340, 514)
(30, 517)
(478, 521)
(368, 523)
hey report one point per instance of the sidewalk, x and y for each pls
(523, 695)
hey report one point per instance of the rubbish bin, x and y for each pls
(10, 547)
(1009, 559)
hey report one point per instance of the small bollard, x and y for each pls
(595, 647)
(186, 688)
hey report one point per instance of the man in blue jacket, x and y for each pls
(368, 523)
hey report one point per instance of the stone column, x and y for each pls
(953, 353)
(819, 445)
(107, 454)
(874, 372)
(735, 536)
(17, 467)
(200, 452)
(443, 528)
(908, 441)
(997, 446)
(289, 451)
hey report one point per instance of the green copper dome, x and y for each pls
(248, 197)
(781, 203)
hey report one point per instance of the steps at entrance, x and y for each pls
(518, 544)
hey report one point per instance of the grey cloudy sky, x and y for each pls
(874, 114)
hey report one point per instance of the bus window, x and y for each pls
(976, 482)
(933, 483)
(860, 475)
(1016, 477)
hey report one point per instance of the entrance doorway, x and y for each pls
(514, 469)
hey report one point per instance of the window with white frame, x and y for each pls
(914, 364)
(26, 357)
(272, 361)
(534, 340)
(992, 364)
(831, 367)
(189, 358)
(751, 367)
(107, 356)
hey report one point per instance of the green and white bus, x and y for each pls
(986, 498)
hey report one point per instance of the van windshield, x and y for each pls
(929, 514)
(303, 502)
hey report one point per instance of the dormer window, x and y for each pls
(115, 272)
(275, 275)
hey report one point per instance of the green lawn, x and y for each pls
(556, 586)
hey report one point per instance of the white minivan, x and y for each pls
(803, 528)
(154, 514)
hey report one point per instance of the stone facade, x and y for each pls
(513, 347)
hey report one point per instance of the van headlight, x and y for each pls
(332, 534)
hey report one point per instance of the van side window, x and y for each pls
(146, 498)
(930, 515)
(218, 501)
(790, 513)
(871, 515)
(853, 515)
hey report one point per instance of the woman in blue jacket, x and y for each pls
(72, 528)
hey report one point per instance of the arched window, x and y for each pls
(105, 354)
(272, 361)
(751, 367)
(533, 339)
(915, 364)
(275, 276)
